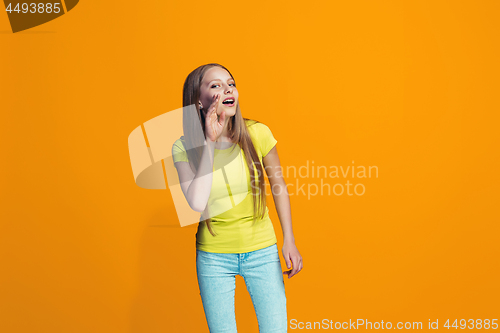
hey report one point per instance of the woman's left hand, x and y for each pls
(292, 257)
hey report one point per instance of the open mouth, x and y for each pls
(229, 102)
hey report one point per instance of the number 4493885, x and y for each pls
(34, 8)
(472, 324)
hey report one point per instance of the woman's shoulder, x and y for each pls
(179, 143)
(262, 136)
(179, 150)
(255, 127)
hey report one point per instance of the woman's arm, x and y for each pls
(196, 187)
(282, 201)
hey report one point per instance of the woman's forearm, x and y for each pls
(199, 190)
(282, 202)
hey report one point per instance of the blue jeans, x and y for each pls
(263, 277)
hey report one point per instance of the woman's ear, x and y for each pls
(200, 107)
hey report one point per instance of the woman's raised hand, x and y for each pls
(213, 124)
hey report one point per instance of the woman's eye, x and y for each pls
(217, 85)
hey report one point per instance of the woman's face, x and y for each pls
(218, 81)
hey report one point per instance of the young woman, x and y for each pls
(235, 235)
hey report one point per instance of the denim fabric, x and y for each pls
(263, 277)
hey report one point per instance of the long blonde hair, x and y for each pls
(238, 133)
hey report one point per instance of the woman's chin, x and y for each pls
(229, 111)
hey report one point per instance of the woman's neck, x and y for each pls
(224, 137)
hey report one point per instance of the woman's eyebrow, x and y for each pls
(230, 79)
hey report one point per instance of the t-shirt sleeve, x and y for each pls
(179, 153)
(265, 138)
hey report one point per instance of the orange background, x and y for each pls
(410, 88)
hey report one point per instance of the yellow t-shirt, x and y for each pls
(231, 195)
